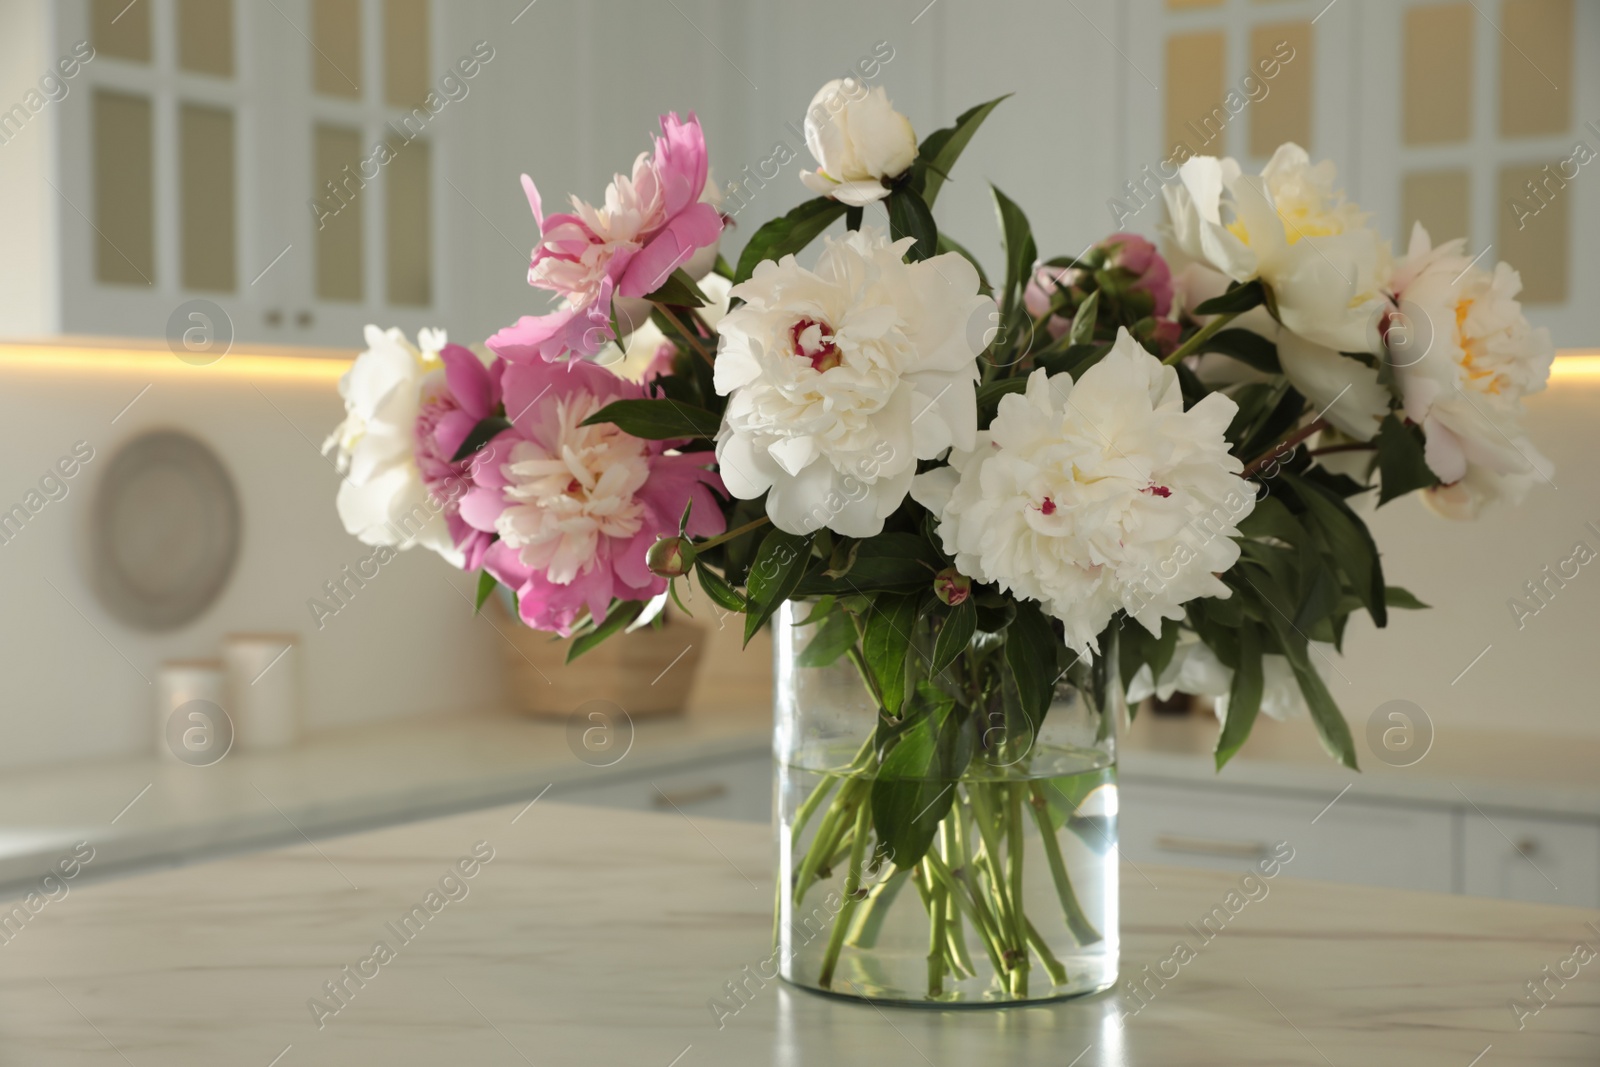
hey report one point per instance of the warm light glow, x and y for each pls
(237, 367)
(1576, 363)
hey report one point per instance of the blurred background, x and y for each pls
(207, 200)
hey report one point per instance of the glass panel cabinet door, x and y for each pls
(270, 168)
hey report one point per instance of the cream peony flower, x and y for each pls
(383, 499)
(1464, 357)
(1097, 496)
(857, 138)
(1294, 230)
(842, 377)
(1344, 391)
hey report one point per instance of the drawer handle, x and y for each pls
(1527, 846)
(1206, 846)
(692, 795)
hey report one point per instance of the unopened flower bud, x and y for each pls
(671, 557)
(951, 586)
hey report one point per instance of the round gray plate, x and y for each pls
(164, 531)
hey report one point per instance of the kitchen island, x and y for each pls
(549, 934)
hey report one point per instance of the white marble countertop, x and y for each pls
(1538, 773)
(146, 812)
(597, 937)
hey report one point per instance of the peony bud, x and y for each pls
(858, 139)
(951, 586)
(671, 557)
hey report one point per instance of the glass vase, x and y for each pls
(1014, 898)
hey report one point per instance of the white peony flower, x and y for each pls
(1194, 668)
(1292, 229)
(1343, 390)
(1464, 357)
(1481, 487)
(842, 377)
(857, 138)
(1097, 496)
(383, 499)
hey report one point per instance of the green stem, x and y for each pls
(831, 831)
(1201, 336)
(938, 902)
(971, 904)
(869, 919)
(1052, 966)
(954, 933)
(1020, 924)
(1083, 930)
(852, 897)
(713, 542)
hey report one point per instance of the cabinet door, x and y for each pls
(261, 171)
(357, 144)
(1352, 841)
(1518, 857)
(157, 201)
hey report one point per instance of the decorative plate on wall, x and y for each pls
(164, 531)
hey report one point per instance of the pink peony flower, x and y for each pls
(650, 225)
(449, 409)
(1128, 251)
(577, 507)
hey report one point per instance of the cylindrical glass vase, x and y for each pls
(992, 878)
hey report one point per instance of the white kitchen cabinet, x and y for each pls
(1520, 857)
(738, 788)
(1393, 845)
(269, 172)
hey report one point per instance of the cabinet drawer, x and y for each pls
(739, 788)
(1403, 847)
(1518, 857)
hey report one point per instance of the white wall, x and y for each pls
(405, 644)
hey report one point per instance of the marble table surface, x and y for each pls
(594, 937)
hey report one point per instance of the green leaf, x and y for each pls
(1397, 597)
(916, 780)
(1239, 297)
(909, 217)
(950, 244)
(779, 565)
(1248, 348)
(989, 394)
(1244, 698)
(832, 639)
(889, 562)
(1401, 461)
(621, 614)
(1350, 542)
(1020, 249)
(481, 435)
(955, 634)
(1331, 727)
(886, 643)
(1032, 653)
(787, 234)
(658, 420)
(1272, 519)
(1321, 596)
(1082, 331)
(941, 148)
(486, 584)
(717, 588)
(679, 290)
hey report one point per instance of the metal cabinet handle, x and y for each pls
(692, 795)
(304, 319)
(1205, 846)
(1527, 845)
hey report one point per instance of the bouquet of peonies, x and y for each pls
(1131, 469)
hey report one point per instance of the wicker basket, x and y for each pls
(648, 672)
